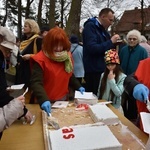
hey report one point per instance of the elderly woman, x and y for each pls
(30, 44)
(144, 44)
(132, 53)
(10, 108)
(130, 56)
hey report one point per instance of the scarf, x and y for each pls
(25, 43)
(63, 57)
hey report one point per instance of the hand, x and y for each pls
(140, 92)
(26, 56)
(111, 75)
(115, 38)
(22, 99)
(81, 89)
(46, 106)
(28, 117)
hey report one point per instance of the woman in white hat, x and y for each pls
(7, 42)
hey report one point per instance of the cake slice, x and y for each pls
(101, 113)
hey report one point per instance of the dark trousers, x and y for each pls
(92, 82)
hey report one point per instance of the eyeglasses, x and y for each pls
(133, 39)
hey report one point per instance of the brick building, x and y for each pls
(134, 19)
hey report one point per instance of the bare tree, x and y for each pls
(73, 23)
(6, 12)
(52, 14)
(28, 11)
(62, 13)
(39, 15)
(19, 20)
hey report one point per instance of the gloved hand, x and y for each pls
(140, 92)
(46, 106)
(81, 89)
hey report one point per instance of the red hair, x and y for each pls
(54, 37)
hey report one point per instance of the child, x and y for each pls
(111, 81)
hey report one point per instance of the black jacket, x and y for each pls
(23, 71)
(129, 83)
(128, 101)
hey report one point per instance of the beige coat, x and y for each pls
(9, 113)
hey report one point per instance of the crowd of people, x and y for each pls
(45, 60)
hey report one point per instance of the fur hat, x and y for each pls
(9, 40)
(111, 57)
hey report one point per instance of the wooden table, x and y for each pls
(30, 137)
(24, 137)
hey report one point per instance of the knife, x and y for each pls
(52, 121)
(148, 104)
(25, 91)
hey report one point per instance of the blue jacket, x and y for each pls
(96, 40)
(130, 58)
(77, 54)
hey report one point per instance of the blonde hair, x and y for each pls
(33, 25)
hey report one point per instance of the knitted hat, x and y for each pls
(111, 56)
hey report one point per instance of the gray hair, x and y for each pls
(135, 33)
(143, 39)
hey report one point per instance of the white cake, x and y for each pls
(83, 138)
(101, 113)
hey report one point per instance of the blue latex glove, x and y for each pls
(140, 92)
(46, 106)
(81, 89)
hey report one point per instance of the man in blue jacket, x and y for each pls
(96, 40)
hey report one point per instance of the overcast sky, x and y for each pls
(90, 9)
(93, 10)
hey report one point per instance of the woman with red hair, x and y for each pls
(52, 70)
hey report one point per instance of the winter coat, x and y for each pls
(130, 58)
(96, 40)
(23, 71)
(77, 54)
(9, 113)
